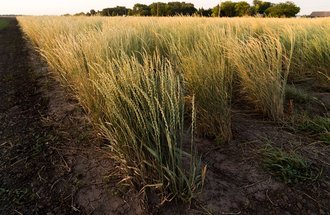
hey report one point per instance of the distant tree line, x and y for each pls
(259, 8)
(225, 9)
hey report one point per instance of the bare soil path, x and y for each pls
(22, 137)
(51, 161)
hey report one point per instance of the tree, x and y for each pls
(228, 9)
(80, 14)
(115, 11)
(252, 11)
(130, 12)
(204, 12)
(141, 10)
(261, 7)
(287, 9)
(257, 2)
(158, 9)
(180, 8)
(92, 12)
(215, 11)
(188, 9)
(242, 8)
(106, 12)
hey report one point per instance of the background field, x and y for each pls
(156, 88)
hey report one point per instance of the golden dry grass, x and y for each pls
(139, 79)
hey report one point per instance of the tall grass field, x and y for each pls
(151, 85)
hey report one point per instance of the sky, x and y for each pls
(59, 7)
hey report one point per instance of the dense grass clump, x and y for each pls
(319, 126)
(143, 116)
(288, 167)
(209, 77)
(136, 100)
(263, 67)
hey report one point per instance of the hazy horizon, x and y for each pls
(60, 7)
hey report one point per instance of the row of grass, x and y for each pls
(143, 80)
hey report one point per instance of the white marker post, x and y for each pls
(219, 8)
